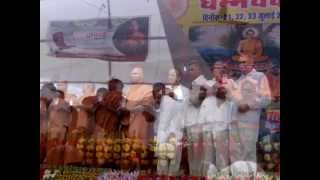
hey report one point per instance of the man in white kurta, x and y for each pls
(171, 105)
(176, 89)
(252, 96)
(189, 118)
(169, 126)
(167, 129)
(215, 118)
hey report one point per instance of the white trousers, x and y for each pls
(195, 151)
(215, 150)
(243, 141)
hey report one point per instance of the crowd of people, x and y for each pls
(219, 117)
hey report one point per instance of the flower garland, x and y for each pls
(269, 154)
(119, 175)
(71, 172)
(50, 174)
(131, 155)
(116, 153)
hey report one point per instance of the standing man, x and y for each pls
(59, 117)
(189, 117)
(169, 127)
(252, 96)
(179, 98)
(139, 96)
(176, 89)
(215, 117)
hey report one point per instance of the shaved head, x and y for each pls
(137, 75)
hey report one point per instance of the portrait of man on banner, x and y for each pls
(131, 38)
(125, 40)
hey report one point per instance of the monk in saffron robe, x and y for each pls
(139, 96)
(59, 120)
(107, 114)
(43, 128)
(106, 108)
(82, 125)
(251, 47)
(78, 127)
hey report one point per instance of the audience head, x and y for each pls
(174, 76)
(115, 85)
(194, 70)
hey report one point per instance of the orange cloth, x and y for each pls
(274, 83)
(82, 124)
(252, 47)
(59, 118)
(55, 151)
(107, 117)
(71, 154)
(139, 95)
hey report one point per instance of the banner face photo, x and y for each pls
(118, 39)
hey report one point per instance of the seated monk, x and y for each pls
(251, 46)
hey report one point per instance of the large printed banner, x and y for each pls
(260, 42)
(118, 39)
(235, 31)
(235, 43)
(208, 12)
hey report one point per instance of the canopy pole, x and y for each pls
(109, 15)
(109, 71)
(110, 27)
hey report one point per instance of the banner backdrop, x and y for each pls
(118, 39)
(229, 41)
(228, 30)
(207, 12)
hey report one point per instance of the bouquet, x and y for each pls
(269, 154)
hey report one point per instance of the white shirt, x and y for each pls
(213, 117)
(169, 112)
(254, 90)
(167, 120)
(190, 113)
(181, 92)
